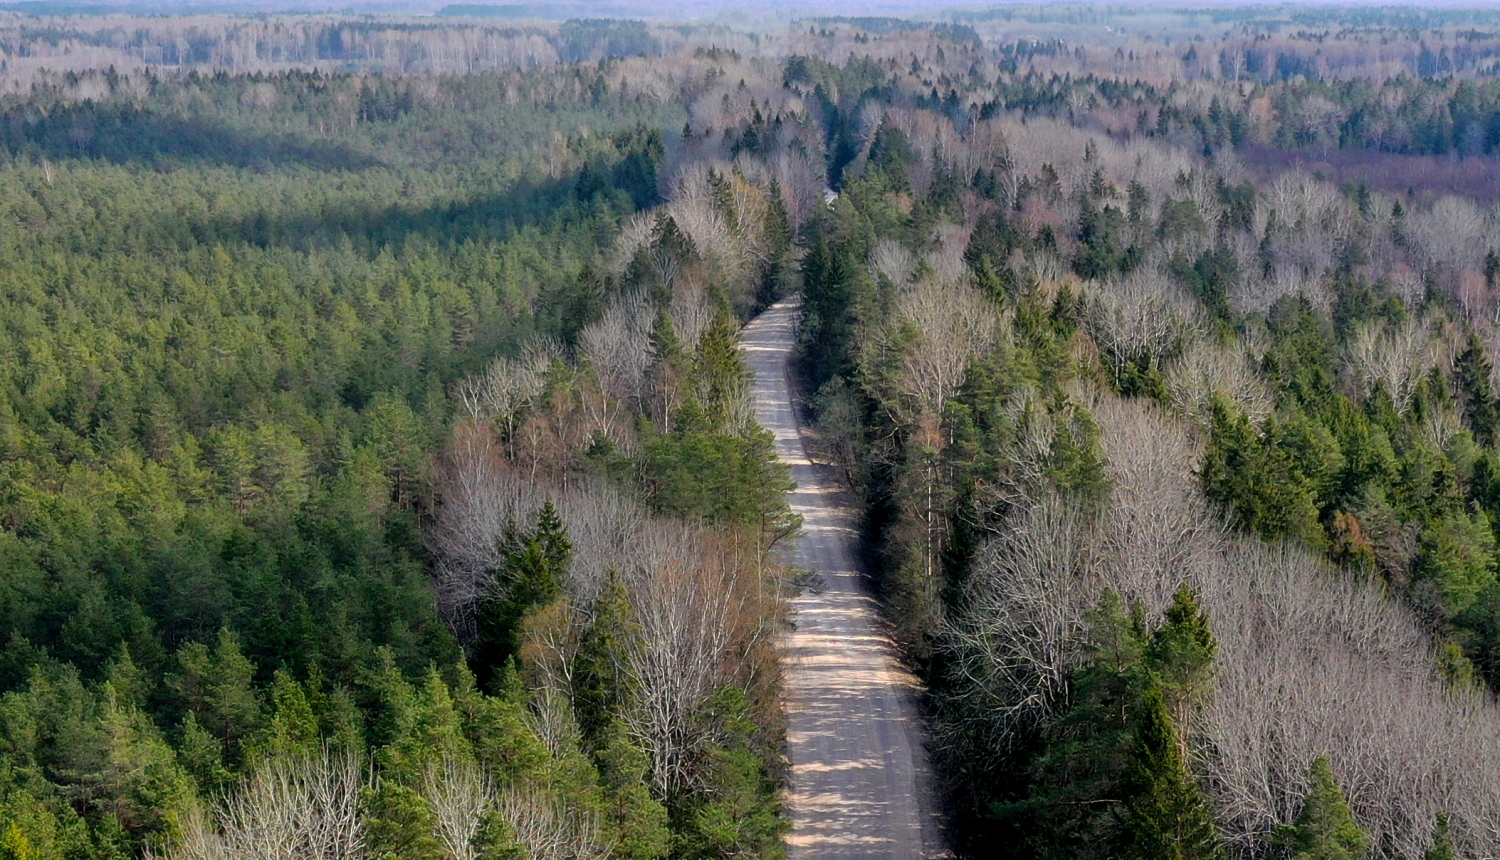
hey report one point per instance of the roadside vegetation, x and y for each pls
(378, 476)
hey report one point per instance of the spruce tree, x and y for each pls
(601, 686)
(530, 576)
(1481, 411)
(1066, 810)
(1442, 843)
(1163, 813)
(1181, 654)
(1325, 829)
(719, 369)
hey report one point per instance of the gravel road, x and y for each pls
(859, 779)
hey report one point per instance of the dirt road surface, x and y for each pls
(859, 779)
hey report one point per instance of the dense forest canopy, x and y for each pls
(378, 476)
(255, 329)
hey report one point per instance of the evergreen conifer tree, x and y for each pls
(1325, 829)
(720, 370)
(532, 572)
(1181, 653)
(293, 728)
(1442, 843)
(1163, 814)
(1481, 411)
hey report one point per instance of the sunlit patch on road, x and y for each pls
(859, 770)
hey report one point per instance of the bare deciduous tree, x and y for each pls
(618, 349)
(891, 259)
(686, 597)
(1391, 358)
(289, 809)
(461, 794)
(480, 496)
(691, 314)
(1141, 317)
(550, 829)
(1310, 662)
(1205, 371)
(953, 323)
(508, 386)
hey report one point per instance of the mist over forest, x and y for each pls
(458, 431)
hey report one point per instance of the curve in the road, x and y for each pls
(858, 785)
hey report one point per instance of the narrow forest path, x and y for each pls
(859, 780)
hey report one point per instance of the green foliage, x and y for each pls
(431, 732)
(1164, 813)
(891, 152)
(988, 254)
(228, 334)
(1209, 277)
(1079, 760)
(1101, 246)
(1458, 558)
(118, 767)
(1262, 476)
(217, 688)
(835, 291)
(400, 824)
(722, 378)
(1442, 844)
(602, 690)
(1181, 652)
(293, 729)
(1473, 372)
(533, 566)
(1108, 777)
(644, 826)
(742, 818)
(1347, 476)
(711, 465)
(31, 829)
(16, 845)
(1325, 828)
(496, 727)
(745, 486)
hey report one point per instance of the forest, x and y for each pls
(353, 498)
(379, 473)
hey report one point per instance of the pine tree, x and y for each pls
(391, 707)
(1325, 829)
(399, 823)
(121, 767)
(219, 687)
(497, 726)
(435, 734)
(15, 845)
(988, 254)
(1163, 814)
